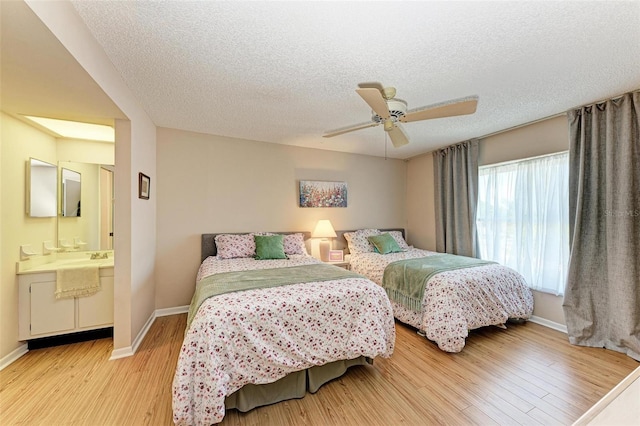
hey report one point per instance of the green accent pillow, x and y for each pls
(384, 243)
(269, 247)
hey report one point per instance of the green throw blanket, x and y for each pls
(228, 282)
(405, 280)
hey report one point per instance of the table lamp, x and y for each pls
(324, 230)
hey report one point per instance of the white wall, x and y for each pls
(421, 213)
(18, 143)
(135, 219)
(211, 183)
(84, 151)
(540, 138)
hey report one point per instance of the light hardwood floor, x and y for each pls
(527, 374)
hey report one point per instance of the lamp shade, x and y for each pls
(323, 229)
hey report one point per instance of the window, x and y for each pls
(523, 218)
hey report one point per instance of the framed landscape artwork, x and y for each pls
(315, 193)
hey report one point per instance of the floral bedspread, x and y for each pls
(259, 336)
(455, 301)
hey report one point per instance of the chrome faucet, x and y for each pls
(98, 255)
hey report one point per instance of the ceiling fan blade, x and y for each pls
(398, 136)
(337, 132)
(462, 106)
(374, 98)
(371, 85)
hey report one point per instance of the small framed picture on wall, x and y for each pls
(144, 186)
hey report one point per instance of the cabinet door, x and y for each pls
(48, 314)
(97, 309)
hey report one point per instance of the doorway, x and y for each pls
(106, 208)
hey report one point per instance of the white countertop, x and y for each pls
(54, 261)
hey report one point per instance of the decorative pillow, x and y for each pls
(230, 246)
(294, 244)
(358, 242)
(397, 235)
(269, 247)
(384, 243)
(347, 236)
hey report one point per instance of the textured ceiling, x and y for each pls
(286, 72)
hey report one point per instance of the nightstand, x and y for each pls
(344, 264)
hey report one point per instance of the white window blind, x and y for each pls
(523, 218)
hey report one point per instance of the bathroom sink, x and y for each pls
(83, 262)
(65, 263)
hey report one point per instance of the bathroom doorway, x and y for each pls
(106, 208)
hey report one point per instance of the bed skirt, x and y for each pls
(292, 386)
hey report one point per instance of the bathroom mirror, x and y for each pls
(71, 190)
(94, 224)
(42, 187)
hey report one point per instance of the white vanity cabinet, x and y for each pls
(42, 315)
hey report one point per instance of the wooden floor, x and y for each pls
(527, 374)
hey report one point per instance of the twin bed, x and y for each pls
(269, 343)
(460, 294)
(268, 322)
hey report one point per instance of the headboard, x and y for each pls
(208, 244)
(340, 242)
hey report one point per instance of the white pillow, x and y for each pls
(230, 246)
(358, 242)
(294, 244)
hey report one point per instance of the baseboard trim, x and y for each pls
(13, 355)
(131, 350)
(145, 329)
(172, 311)
(606, 404)
(548, 323)
(116, 353)
(121, 353)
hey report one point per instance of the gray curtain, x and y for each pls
(456, 198)
(602, 297)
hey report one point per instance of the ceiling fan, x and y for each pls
(391, 111)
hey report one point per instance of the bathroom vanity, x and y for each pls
(42, 315)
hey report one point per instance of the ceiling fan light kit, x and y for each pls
(396, 109)
(390, 111)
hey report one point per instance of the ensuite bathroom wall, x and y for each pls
(20, 143)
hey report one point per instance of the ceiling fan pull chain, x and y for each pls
(385, 145)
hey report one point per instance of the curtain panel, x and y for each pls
(523, 218)
(456, 198)
(602, 297)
